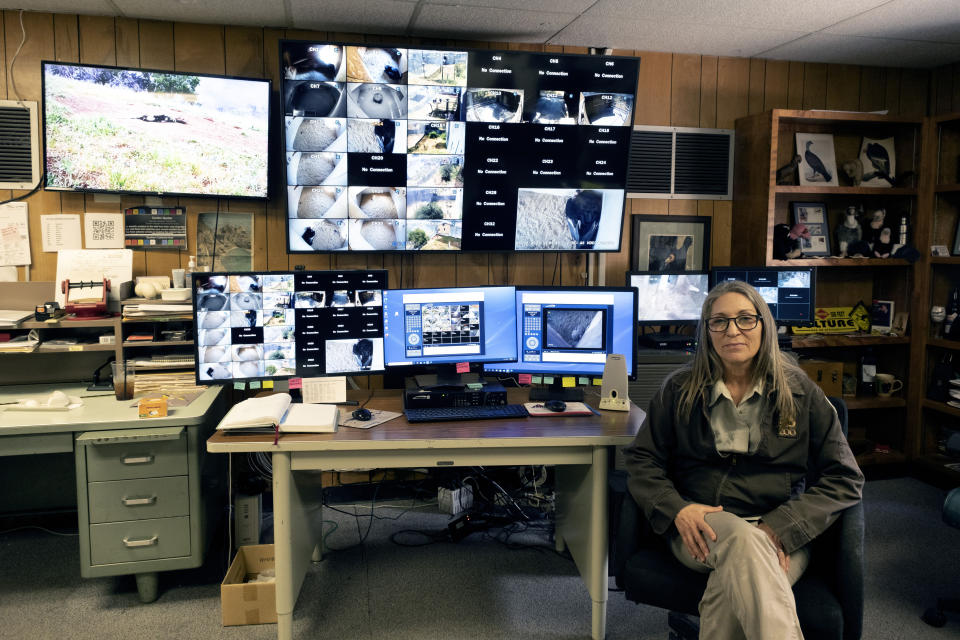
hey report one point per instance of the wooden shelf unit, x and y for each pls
(766, 142)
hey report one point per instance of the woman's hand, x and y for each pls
(692, 527)
(782, 556)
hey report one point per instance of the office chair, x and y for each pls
(937, 616)
(829, 595)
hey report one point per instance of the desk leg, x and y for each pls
(293, 540)
(582, 526)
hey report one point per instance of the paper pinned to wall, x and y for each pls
(115, 265)
(60, 231)
(332, 389)
(14, 234)
(103, 230)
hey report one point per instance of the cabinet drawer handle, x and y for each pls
(136, 459)
(143, 542)
(134, 502)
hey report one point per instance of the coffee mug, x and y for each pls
(887, 384)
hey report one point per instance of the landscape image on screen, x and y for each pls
(112, 129)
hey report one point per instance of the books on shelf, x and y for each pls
(21, 344)
(278, 412)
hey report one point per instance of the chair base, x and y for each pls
(682, 626)
(937, 616)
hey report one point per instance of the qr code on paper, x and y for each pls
(103, 229)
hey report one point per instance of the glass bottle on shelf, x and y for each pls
(868, 371)
(950, 327)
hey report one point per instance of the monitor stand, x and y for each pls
(556, 391)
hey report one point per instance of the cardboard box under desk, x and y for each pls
(244, 602)
(827, 375)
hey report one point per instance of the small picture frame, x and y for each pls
(818, 162)
(939, 251)
(670, 244)
(814, 216)
(900, 320)
(881, 316)
(879, 162)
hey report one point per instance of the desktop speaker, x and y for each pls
(613, 392)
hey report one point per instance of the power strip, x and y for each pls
(454, 501)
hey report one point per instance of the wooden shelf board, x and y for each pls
(941, 343)
(874, 403)
(805, 189)
(173, 318)
(873, 459)
(64, 348)
(823, 340)
(828, 116)
(157, 343)
(947, 188)
(839, 262)
(944, 259)
(64, 323)
(942, 407)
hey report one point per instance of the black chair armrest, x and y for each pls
(630, 526)
(849, 570)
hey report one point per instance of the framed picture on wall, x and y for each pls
(665, 244)
(813, 215)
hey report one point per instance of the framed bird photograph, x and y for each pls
(818, 161)
(879, 162)
(816, 239)
(670, 244)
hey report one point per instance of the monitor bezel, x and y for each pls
(669, 323)
(271, 134)
(267, 272)
(777, 269)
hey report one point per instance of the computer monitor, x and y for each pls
(669, 298)
(568, 331)
(281, 324)
(790, 292)
(442, 327)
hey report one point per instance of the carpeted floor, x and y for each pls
(476, 589)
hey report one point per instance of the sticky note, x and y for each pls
(239, 386)
(295, 383)
(474, 385)
(524, 378)
(583, 380)
(463, 367)
(75, 347)
(254, 384)
(536, 380)
(268, 384)
(547, 379)
(597, 382)
(569, 381)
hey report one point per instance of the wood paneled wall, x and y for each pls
(674, 89)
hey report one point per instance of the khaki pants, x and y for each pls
(748, 595)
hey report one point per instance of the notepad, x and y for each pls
(277, 411)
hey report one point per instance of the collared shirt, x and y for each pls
(736, 427)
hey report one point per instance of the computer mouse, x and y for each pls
(555, 405)
(362, 414)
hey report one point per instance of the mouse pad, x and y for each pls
(376, 417)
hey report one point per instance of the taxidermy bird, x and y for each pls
(787, 174)
(880, 159)
(787, 241)
(853, 169)
(850, 232)
(816, 165)
(883, 246)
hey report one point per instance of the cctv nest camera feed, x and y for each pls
(505, 150)
(569, 328)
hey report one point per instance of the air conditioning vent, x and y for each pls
(692, 163)
(19, 145)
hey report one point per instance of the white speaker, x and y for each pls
(613, 392)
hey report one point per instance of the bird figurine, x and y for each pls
(853, 169)
(884, 245)
(787, 174)
(877, 155)
(816, 165)
(849, 232)
(875, 227)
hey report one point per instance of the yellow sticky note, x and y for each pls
(268, 384)
(597, 382)
(569, 381)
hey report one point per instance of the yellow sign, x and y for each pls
(837, 320)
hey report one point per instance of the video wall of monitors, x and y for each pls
(403, 149)
(281, 324)
(790, 292)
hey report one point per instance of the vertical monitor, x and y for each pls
(569, 331)
(281, 324)
(449, 325)
(669, 298)
(790, 292)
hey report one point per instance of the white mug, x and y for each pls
(887, 385)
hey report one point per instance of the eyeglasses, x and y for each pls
(719, 324)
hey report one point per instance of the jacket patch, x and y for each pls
(787, 429)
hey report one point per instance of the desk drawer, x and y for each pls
(147, 459)
(139, 499)
(139, 540)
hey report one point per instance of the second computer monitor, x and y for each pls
(669, 298)
(568, 331)
(449, 325)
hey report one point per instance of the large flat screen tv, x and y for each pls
(790, 292)
(126, 130)
(409, 149)
(281, 324)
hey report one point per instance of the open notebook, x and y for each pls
(278, 412)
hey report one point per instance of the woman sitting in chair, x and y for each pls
(721, 465)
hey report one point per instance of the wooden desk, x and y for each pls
(140, 502)
(576, 445)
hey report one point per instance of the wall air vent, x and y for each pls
(680, 163)
(19, 145)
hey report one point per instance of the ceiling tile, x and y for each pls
(663, 36)
(362, 16)
(237, 12)
(808, 15)
(483, 23)
(821, 47)
(930, 20)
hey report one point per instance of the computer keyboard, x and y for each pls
(438, 414)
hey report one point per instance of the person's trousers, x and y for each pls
(748, 595)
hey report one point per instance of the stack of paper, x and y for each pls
(155, 310)
(13, 317)
(25, 343)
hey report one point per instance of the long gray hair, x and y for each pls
(769, 363)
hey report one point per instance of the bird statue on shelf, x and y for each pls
(875, 227)
(853, 169)
(877, 155)
(884, 245)
(788, 241)
(816, 165)
(787, 174)
(850, 232)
